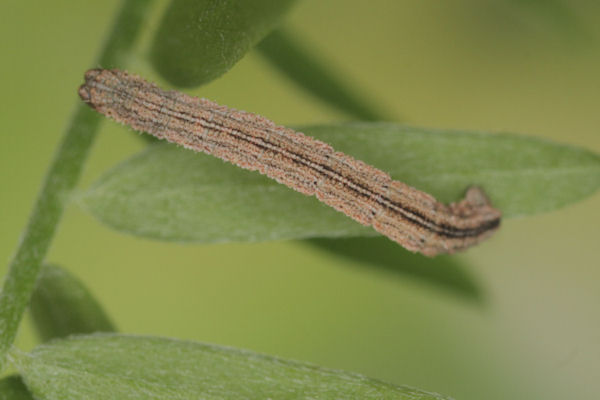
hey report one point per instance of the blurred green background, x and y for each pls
(529, 67)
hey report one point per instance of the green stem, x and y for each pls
(60, 180)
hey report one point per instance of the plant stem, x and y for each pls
(60, 180)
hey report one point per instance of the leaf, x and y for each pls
(379, 253)
(62, 306)
(557, 14)
(12, 388)
(174, 194)
(122, 367)
(170, 194)
(199, 40)
(310, 71)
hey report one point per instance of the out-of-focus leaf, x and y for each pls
(199, 40)
(62, 306)
(126, 368)
(12, 388)
(443, 272)
(556, 14)
(174, 194)
(311, 72)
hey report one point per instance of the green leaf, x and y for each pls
(380, 254)
(199, 40)
(556, 14)
(174, 194)
(12, 388)
(310, 71)
(122, 367)
(62, 306)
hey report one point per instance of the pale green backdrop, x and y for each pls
(484, 65)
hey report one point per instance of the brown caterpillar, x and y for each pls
(366, 194)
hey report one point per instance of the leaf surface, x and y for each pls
(107, 367)
(12, 388)
(199, 40)
(559, 15)
(61, 305)
(169, 193)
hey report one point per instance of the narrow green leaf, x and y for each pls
(199, 40)
(174, 194)
(301, 64)
(12, 388)
(122, 367)
(60, 180)
(378, 253)
(61, 306)
(556, 14)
